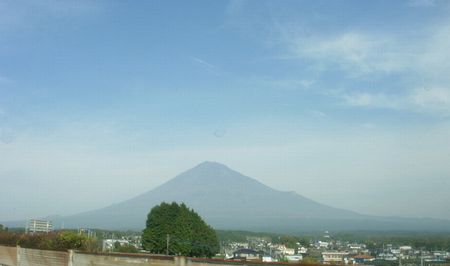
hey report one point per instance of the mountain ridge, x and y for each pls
(228, 199)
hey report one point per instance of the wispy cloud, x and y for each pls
(356, 53)
(318, 114)
(366, 99)
(420, 65)
(435, 100)
(202, 62)
(206, 65)
(431, 100)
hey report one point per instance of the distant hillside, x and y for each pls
(229, 200)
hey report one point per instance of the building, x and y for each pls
(267, 259)
(362, 258)
(38, 226)
(247, 254)
(322, 244)
(285, 250)
(331, 257)
(110, 244)
(356, 248)
(294, 258)
(302, 250)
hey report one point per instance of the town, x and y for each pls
(330, 250)
(325, 249)
(314, 248)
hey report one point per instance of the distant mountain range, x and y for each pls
(227, 199)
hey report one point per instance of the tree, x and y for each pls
(178, 230)
(126, 248)
(71, 240)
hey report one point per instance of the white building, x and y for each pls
(38, 226)
(108, 244)
(267, 259)
(334, 257)
(355, 247)
(322, 244)
(289, 251)
(302, 250)
(294, 258)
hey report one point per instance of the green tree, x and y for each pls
(127, 248)
(71, 240)
(182, 228)
(310, 260)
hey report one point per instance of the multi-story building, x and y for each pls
(39, 226)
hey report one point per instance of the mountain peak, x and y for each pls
(208, 171)
(211, 165)
(213, 176)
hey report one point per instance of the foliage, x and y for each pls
(9, 239)
(289, 241)
(127, 248)
(283, 259)
(71, 240)
(310, 260)
(63, 240)
(188, 234)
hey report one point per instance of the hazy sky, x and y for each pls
(345, 102)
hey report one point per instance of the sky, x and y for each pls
(344, 102)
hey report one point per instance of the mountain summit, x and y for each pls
(227, 199)
(210, 174)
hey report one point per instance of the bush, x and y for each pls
(127, 248)
(9, 239)
(61, 241)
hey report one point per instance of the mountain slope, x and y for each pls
(224, 197)
(227, 199)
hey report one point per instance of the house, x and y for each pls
(302, 250)
(362, 258)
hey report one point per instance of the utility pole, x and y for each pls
(167, 244)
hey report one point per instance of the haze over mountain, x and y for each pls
(230, 200)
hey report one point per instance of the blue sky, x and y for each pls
(345, 102)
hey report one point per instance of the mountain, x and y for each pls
(227, 199)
